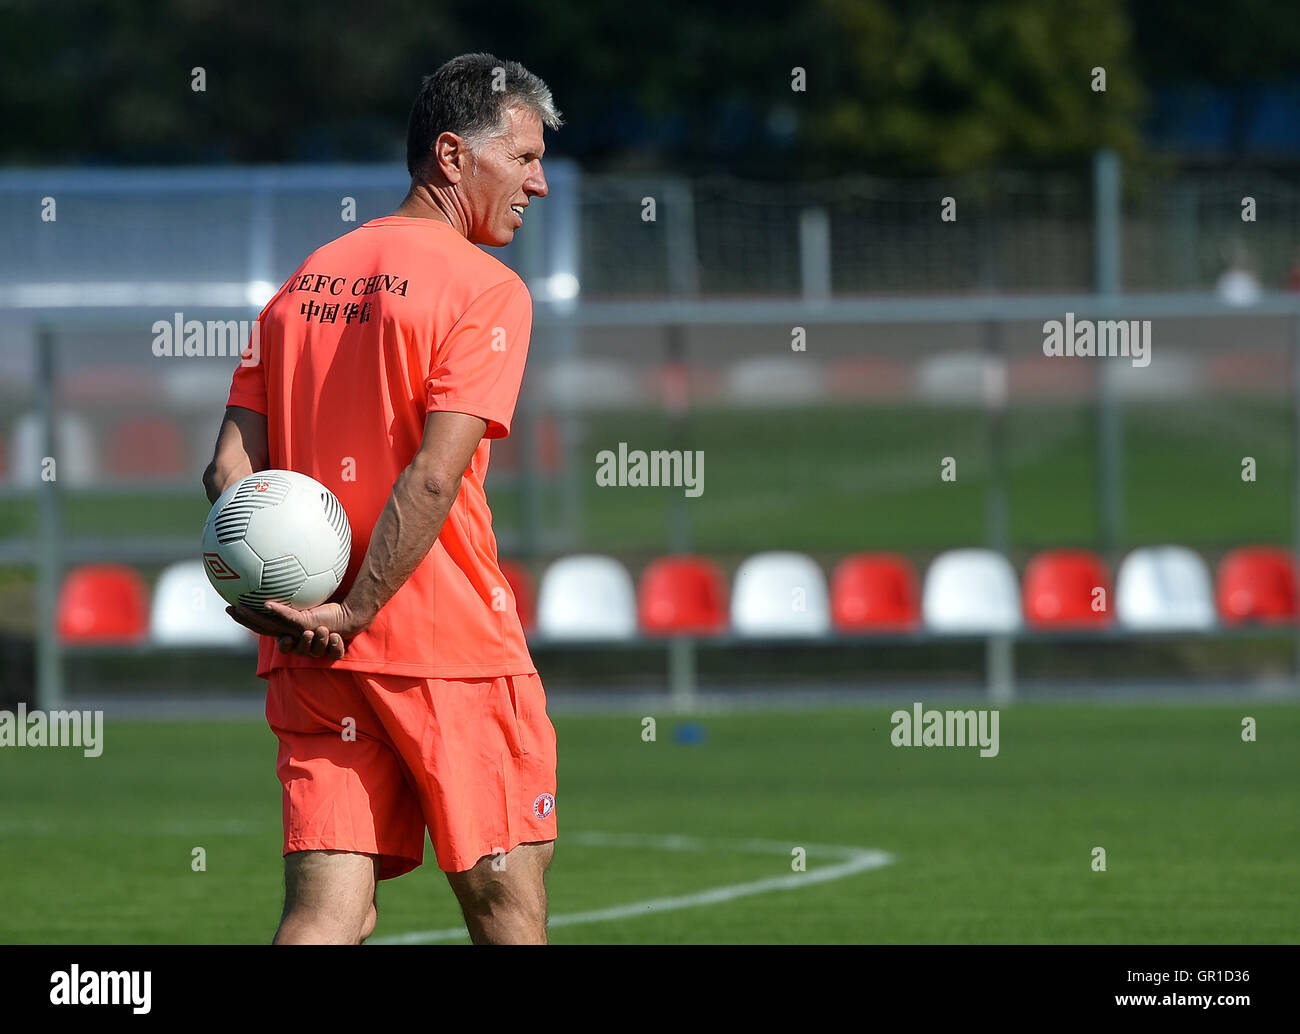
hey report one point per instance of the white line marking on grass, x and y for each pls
(855, 860)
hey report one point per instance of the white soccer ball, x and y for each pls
(276, 535)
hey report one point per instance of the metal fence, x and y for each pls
(768, 327)
(118, 235)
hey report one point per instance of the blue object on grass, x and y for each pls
(689, 734)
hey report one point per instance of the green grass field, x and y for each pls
(1199, 829)
(846, 477)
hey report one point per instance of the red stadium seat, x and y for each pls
(1059, 589)
(875, 592)
(146, 447)
(521, 584)
(683, 595)
(1256, 583)
(103, 603)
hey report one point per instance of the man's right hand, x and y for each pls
(336, 624)
(316, 632)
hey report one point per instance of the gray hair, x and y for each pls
(469, 96)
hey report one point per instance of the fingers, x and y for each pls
(299, 644)
(289, 626)
(262, 624)
(317, 642)
(287, 615)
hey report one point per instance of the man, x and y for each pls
(389, 361)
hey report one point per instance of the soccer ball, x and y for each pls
(276, 535)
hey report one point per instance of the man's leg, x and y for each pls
(503, 897)
(329, 898)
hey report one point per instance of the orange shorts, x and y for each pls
(369, 762)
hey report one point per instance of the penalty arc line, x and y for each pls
(856, 860)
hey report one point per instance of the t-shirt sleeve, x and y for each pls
(478, 367)
(248, 385)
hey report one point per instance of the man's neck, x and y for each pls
(422, 203)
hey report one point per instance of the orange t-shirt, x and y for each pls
(400, 317)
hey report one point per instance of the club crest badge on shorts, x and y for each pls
(544, 805)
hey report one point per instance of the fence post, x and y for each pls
(683, 282)
(1000, 651)
(1000, 665)
(815, 253)
(681, 674)
(1106, 222)
(553, 256)
(1295, 487)
(261, 227)
(994, 392)
(683, 262)
(49, 662)
(1106, 281)
(676, 406)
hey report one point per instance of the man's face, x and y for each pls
(508, 175)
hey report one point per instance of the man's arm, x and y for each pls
(241, 449)
(406, 530)
(420, 501)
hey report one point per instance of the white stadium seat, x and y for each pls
(592, 384)
(75, 457)
(971, 591)
(188, 611)
(1166, 377)
(963, 377)
(1164, 588)
(768, 381)
(586, 597)
(780, 594)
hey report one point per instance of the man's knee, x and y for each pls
(370, 922)
(329, 897)
(514, 879)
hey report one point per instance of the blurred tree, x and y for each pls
(954, 85)
(111, 80)
(940, 86)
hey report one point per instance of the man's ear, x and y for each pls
(448, 156)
